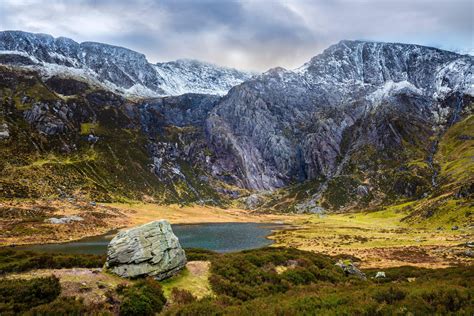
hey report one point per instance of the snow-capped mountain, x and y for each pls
(284, 125)
(193, 76)
(116, 68)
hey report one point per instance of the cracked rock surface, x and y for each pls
(148, 250)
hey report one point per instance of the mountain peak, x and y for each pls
(117, 68)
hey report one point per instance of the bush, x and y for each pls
(19, 261)
(389, 296)
(18, 296)
(278, 281)
(197, 254)
(143, 298)
(181, 296)
(251, 274)
(447, 300)
(61, 306)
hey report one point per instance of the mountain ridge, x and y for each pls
(356, 126)
(113, 67)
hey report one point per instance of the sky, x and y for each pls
(245, 34)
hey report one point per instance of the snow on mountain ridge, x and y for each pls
(117, 68)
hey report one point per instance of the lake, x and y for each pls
(219, 237)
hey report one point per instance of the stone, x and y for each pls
(252, 202)
(468, 253)
(380, 275)
(64, 220)
(455, 227)
(4, 132)
(362, 190)
(350, 269)
(148, 250)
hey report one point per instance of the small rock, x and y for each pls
(470, 244)
(380, 275)
(92, 139)
(469, 253)
(350, 269)
(362, 190)
(252, 201)
(4, 132)
(64, 220)
(455, 227)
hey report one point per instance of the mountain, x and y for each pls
(114, 68)
(360, 117)
(289, 125)
(359, 126)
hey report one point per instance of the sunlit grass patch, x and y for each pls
(194, 278)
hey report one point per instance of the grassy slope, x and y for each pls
(116, 168)
(451, 203)
(430, 206)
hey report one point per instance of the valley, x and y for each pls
(362, 159)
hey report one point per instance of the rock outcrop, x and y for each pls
(148, 250)
(292, 125)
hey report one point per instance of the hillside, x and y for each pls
(362, 126)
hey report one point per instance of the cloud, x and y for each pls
(247, 34)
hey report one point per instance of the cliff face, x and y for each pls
(286, 126)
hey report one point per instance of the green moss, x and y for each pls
(88, 128)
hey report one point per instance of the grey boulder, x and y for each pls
(148, 250)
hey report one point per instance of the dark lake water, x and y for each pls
(220, 237)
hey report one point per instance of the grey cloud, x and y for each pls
(249, 34)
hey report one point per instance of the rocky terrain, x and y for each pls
(361, 126)
(115, 68)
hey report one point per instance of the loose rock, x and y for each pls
(380, 275)
(350, 269)
(64, 220)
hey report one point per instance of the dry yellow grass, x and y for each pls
(141, 213)
(378, 238)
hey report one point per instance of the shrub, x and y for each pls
(447, 300)
(61, 306)
(197, 254)
(18, 296)
(389, 296)
(181, 296)
(19, 261)
(251, 274)
(143, 298)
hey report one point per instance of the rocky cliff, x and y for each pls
(287, 126)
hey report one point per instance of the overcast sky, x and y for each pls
(245, 34)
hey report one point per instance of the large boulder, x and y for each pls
(148, 250)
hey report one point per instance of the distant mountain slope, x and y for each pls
(355, 127)
(116, 68)
(360, 126)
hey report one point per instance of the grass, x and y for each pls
(375, 237)
(456, 152)
(251, 282)
(194, 278)
(87, 128)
